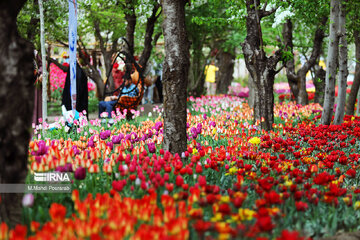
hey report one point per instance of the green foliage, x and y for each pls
(286, 56)
(107, 14)
(54, 106)
(55, 20)
(353, 18)
(93, 104)
(279, 78)
(244, 81)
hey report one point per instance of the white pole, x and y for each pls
(72, 51)
(43, 57)
(358, 104)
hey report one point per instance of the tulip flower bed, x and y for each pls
(298, 181)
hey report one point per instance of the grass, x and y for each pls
(54, 107)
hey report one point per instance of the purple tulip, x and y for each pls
(199, 128)
(151, 147)
(198, 146)
(80, 173)
(91, 143)
(128, 137)
(150, 134)
(60, 169)
(110, 145)
(76, 150)
(68, 167)
(104, 135)
(38, 159)
(158, 125)
(115, 139)
(42, 149)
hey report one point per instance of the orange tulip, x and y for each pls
(4, 231)
(57, 212)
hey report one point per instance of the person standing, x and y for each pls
(210, 73)
(82, 94)
(158, 81)
(150, 84)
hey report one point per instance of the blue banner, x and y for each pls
(72, 50)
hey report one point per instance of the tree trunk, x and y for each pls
(343, 69)
(226, 70)
(17, 98)
(175, 74)
(293, 79)
(99, 82)
(94, 58)
(331, 64)
(302, 97)
(264, 98)
(145, 55)
(251, 99)
(92, 71)
(130, 26)
(319, 83)
(261, 68)
(108, 59)
(197, 36)
(350, 106)
(198, 63)
(297, 81)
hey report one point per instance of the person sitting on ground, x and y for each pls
(129, 89)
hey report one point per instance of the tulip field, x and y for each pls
(298, 181)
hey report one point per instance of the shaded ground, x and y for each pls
(345, 236)
(94, 115)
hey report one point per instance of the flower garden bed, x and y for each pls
(233, 182)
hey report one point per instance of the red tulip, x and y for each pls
(301, 206)
(351, 173)
(202, 181)
(179, 181)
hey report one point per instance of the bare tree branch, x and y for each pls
(98, 36)
(145, 55)
(63, 43)
(57, 63)
(318, 40)
(87, 60)
(264, 13)
(265, 5)
(156, 38)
